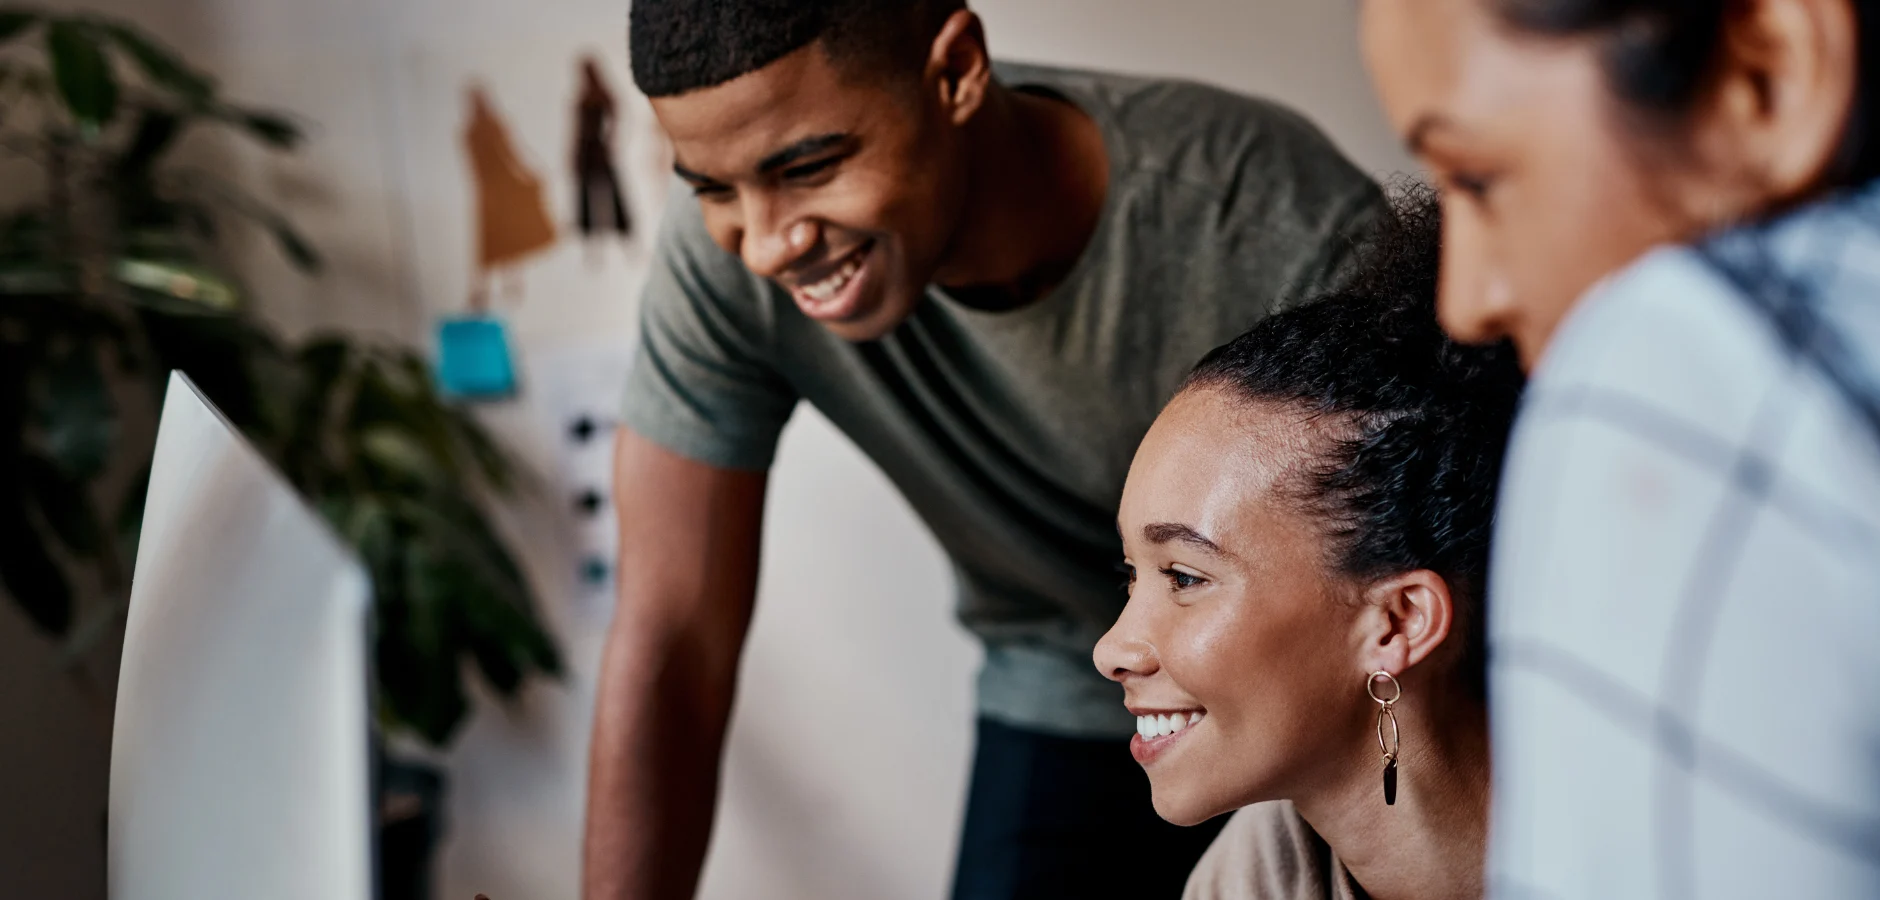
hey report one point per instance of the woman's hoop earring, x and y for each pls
(1385, 713)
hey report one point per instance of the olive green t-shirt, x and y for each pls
(1010, 432)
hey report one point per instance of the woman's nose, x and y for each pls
(1120, 655)
(1475, 299)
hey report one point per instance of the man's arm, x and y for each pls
(689, 539)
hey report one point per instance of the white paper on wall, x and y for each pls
(576, 388)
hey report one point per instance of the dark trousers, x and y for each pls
(1050, 817)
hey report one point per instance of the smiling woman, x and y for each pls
(1309, 515)
(1672, 207)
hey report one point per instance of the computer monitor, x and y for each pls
(240, 759)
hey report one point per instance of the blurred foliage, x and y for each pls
(109, 280)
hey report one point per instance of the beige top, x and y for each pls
(1267, 852)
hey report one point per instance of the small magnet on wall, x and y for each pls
(586, 428)
(582, 430)
(589, 502)
(594, 570)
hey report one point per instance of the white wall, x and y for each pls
(851, 738)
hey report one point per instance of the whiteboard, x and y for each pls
(240, 763)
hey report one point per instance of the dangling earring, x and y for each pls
(1385, 713)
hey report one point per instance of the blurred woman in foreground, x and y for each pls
(1669, 206)
(1306, 526)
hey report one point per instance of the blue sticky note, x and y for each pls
(473, 361)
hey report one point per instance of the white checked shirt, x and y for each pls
(1685, 593)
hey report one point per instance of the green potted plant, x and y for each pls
(110, 277)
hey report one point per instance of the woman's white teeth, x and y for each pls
(829, 287)
(1162, 725)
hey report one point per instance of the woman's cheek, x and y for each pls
(1212, 652)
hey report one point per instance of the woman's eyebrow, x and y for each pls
(1177, 533)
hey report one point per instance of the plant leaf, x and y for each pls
(298, 251)
(460, 530)
(367, 526)
(273, 129)
(130, 518)
(505, 641)
(296, 248)
(482, 630)
(75, 413)
(156, 131)
(490, 458)
(25, 240)
(400, 454)
(64, 504)
(92, 628)
(163, 66)
(461, 429)
(14, 21)
(217, 350)
(499, 623)
(428, 672)
(387, 400)
(319, 376)
(178, 279)
(83, 74)
(31, 80)
(29, 572)
(326, 355)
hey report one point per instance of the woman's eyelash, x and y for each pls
(1181, 580)
(1475, 186)
(1178, 579)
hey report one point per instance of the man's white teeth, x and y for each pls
(829, 287)
(1162, 725)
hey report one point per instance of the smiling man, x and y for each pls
(991, 278)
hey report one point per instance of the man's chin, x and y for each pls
(871, 325)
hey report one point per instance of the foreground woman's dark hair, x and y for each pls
(1659, 56)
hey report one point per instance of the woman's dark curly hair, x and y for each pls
(1421, 421)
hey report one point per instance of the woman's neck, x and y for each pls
(1430, 845)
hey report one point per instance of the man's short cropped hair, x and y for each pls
(683, 45)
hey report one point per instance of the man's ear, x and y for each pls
(959, 66)
(1785, 89)
(1407, 617)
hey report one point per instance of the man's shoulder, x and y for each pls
(1146, 101)
(1195, 132)
(690, 264)
(682, 235)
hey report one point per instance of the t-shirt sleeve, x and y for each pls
(702, 383)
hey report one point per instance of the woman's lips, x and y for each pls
(1157, 732)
